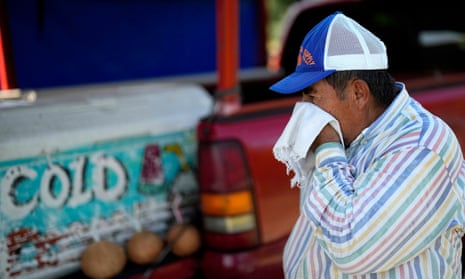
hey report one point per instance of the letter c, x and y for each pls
(9, 205)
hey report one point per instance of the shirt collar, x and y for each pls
(382, 123)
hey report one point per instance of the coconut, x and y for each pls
(103, 259)
(144, 247)
(184, 239)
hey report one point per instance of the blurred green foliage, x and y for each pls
(276, 11)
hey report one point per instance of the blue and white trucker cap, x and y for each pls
(337, 43)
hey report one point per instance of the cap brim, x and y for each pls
(298, 81)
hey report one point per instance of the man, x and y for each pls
(384, 196)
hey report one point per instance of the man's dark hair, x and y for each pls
(382, 85)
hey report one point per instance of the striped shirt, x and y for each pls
(391, 205)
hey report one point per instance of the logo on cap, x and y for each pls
(306, 56)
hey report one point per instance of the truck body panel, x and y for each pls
(257, 131)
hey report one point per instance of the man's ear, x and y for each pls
(361, 92)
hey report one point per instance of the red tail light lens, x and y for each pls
(225, 170)
(226, 197)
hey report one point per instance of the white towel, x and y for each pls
(292, 147)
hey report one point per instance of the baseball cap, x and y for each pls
(337, 43)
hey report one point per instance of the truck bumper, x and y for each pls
(262, 262)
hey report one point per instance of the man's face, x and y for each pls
(324, 96)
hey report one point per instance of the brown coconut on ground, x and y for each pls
(144, 247)
(103, 259)
(184, 239)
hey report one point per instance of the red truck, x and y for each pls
(248, 207)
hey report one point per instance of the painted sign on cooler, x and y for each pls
(85, 174)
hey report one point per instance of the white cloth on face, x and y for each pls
(292, 147)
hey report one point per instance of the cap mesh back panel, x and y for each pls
(342, 40)
(372, 42)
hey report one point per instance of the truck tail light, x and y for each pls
(227, 201)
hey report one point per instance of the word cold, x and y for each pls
(72, 191)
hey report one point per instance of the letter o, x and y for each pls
(45, 186)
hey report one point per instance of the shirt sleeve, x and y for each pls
(384, 216)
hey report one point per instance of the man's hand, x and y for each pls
(327, 134)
